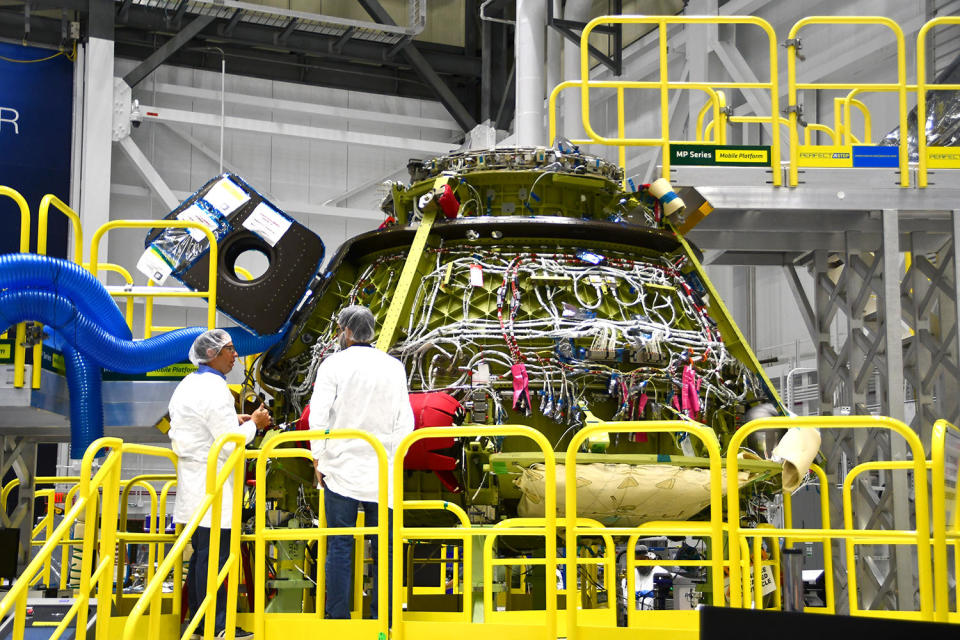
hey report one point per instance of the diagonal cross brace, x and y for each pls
(171, 46)
(424, 70)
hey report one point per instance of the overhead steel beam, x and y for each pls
(170, 47)
(201, 147)
(269, 127)
(296, 106)
(423, 68)
(287, 31)
(444, 59)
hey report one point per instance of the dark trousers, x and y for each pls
(342, 512)
(197, 576)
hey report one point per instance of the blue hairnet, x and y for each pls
(207, 345)
(359, 320)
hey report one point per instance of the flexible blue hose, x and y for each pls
(92, 333)
(105, 349)
(85, 384)
(33, 271)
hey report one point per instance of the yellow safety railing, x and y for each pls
(466, 560)
(850, 543)
(594, 426)
(151, 599)
(546, 528)
(210, 294)
(127, 280)
(922, 87)
(19, 345)
(715, 101)
(842, 122)
(45, 526)
(900, 86)
(813, 126)
(719, 131)
(830, 604)
(43, 215)
(97, 498)
(664, 84)
(645, 619)
(944, 472)
(154, 535)
(919, 537)
(262, 534)
(149, 327)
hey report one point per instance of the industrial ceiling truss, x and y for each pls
(257, 40)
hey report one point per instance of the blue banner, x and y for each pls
(36, 115)
(876, 156)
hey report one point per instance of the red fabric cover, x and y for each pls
(303, 423)
(433, 409)
(448, 202)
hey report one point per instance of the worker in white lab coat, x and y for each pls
(202, 410)
(359, 387)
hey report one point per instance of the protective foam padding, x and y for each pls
(263, 304)
(623, 495)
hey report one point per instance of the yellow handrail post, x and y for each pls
(216, 482)
(709, 440)
(922, 86)
(210, 294)
(42, 219)
(847, 502)
(940, 525)
(920, 536)
(900, 86)
(262, 534)
(19, 348)
(664, 85)
(545, 526)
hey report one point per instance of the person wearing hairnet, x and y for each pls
(359, 387)
(202, 410)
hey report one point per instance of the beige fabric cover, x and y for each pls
(797, 449)
(623, 495)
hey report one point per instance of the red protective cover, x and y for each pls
(434, 409)
(448, 202)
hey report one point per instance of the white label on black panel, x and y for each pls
(267, 223)
(226, 196)
(152, 265)
(195, 214)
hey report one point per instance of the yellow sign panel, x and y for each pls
(6, 351)
(760, 156)
(825, 156)
(172, 370)
(943, 157)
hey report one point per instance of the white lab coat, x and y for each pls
(202, 410)
(359, 388)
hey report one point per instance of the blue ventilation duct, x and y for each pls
(92, 333)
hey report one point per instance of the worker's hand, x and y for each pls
(319, 475)
(261, 417)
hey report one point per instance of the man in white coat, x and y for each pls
(202, 410)
(359, 387)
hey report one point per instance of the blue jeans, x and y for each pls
(197, 576)
(341, 511)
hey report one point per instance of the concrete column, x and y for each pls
(96, 144)
(530, 76)
(571, 124)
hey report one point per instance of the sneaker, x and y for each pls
(239, 634)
